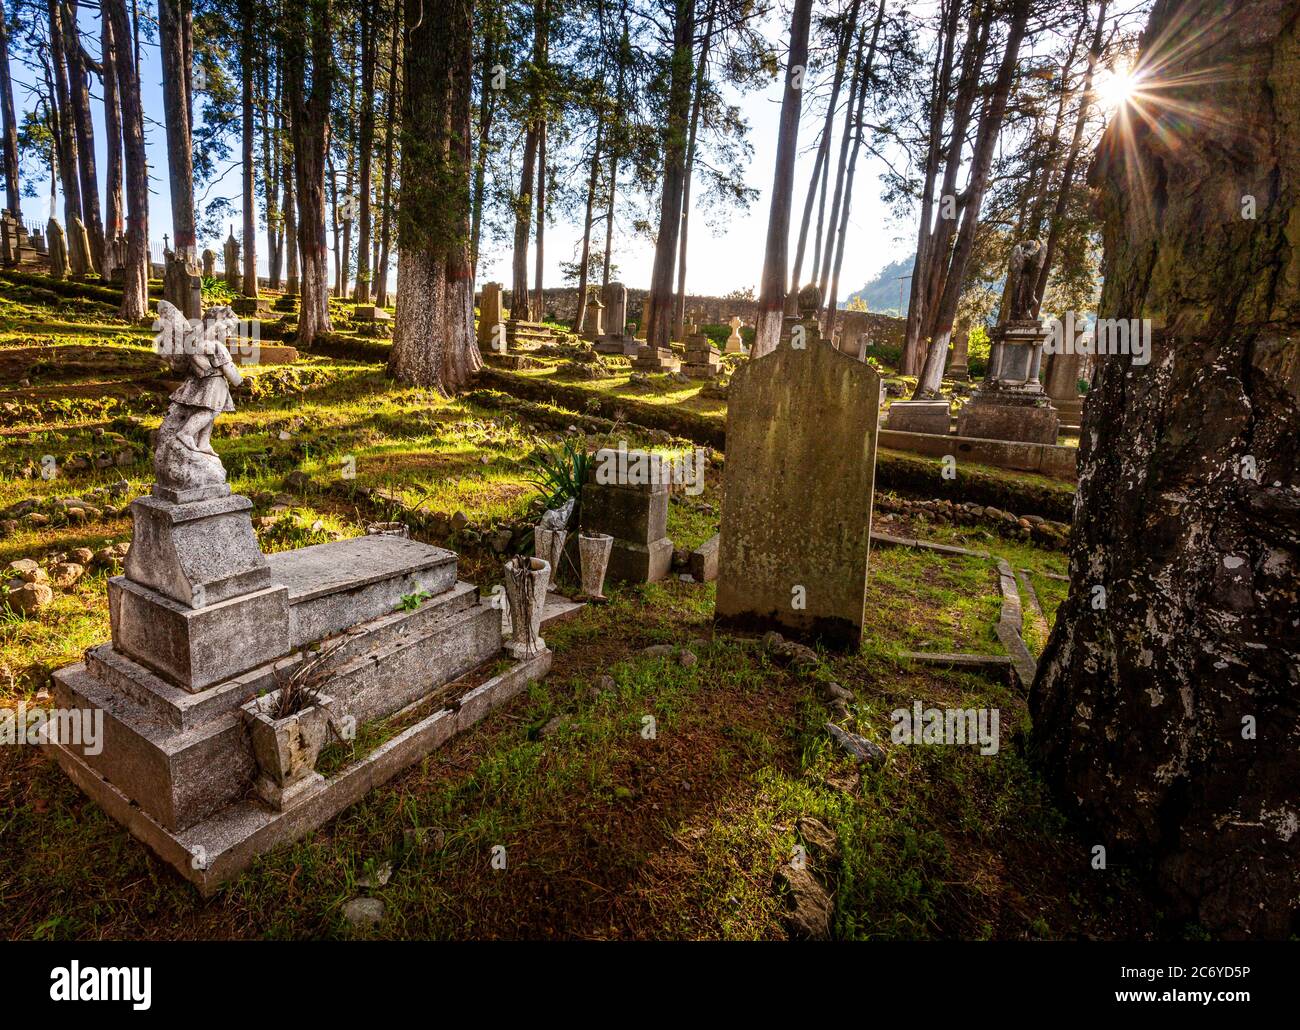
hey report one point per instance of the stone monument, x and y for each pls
(735, 345)
(702, 359)
(58, 250)
(615, 339)
(230, 257)
(593, 325)
(957, 362)
(1061, 381)
(626, 497)
(1010, 403)
(798, 481)
(650, 358)
(79, 259)
(490, 315)
(209, 263)
(182, 288)
(208, 632)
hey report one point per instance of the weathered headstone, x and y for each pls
(182, 288)
(79, 259)
(230, 255)
(626, 496)
(490, 316)
(798, 481)
(957, 362)
(701, 361)
(615, 339)
(923, 416)
(58, 250)
(1061, 381)
(209, 264)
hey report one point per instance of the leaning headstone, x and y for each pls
(58, 250)
(798, 481)
(79, 249)
(957, 361)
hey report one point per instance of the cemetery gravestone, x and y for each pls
(624, 497)
(490, 315)
(798, 481)
(58, 250)
(735, 345)
(593, 322)
(615, 340)
(231, 258)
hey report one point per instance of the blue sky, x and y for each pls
(716, 264)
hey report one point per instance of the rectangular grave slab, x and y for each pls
(919, 417)
(336, 585)
(800, 470)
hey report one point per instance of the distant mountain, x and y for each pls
(882, 293)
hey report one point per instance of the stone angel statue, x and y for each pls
(185, 465)
(1022, 279)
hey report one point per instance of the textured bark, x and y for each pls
(79, 69)
(113, 215)
(390, 133)
(366, 143)
(659, 330)
(538, 306)
(248, 134)
(173, 30)
(771, 297)
(66, 138)
(592, 175)
(135, 282)
(701, 68)
(434, 344)
(311, 106)
(1139, 706)
(13, 198)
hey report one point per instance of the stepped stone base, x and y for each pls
(220, 846)
(625, 345)
(919, 417)
(1005, 415)
(656, 359)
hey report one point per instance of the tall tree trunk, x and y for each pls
(1071, 162)
(1169, 716)
(390, 142)
(311, 107)
(659, 330)
(271, 144)
(832, 298)
(538, 307)
(523, 226)
(847, 31)
(615, 146)
(486, 110)
(249, 132)
(343, 262)
(83, 123)
(135, 281)
(173, 30)
(434, 345)
(981, 163)
(369, 54)
(113, 225)
(292, 277)
(940, 79)
(771, 297)
(697, 102)
(13, 197)
(67, 140)
(585, 260)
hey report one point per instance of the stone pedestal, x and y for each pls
(655, 359)
(490, 315)
(932, 417)
(370, 313)
(230, 257)
(735, 345)
(593, 324)
(635, 514)
(1010, 404)
(1061, 382)
(701, 361)
(251, 307)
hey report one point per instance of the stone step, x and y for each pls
(184, 757)
(336, 585)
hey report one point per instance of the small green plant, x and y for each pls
(300, 688)
(216, 291)
(410, 602)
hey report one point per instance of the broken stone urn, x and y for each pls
(594, 550)
(526, 580)
(548, 545)
(287, 748)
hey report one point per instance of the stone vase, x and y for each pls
(526, 580)
(594, 550)
(548, 545)
(286, 749)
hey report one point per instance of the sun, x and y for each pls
(1116, 87)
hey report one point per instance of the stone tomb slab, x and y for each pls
(919, 417)
(336, 585)
(798, 482)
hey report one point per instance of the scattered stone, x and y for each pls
(501, 540)
(687, 659)
(364, 913)
(37, 518)
(862, 750)
(772, 639)
(658, 650)
(553, 726)
(29, 598)
(297, 480)
(65, 574)
(106, 556)
(8, 527)
(604, 684)
(809, 903)
(834, 692)
(817, 834)
(21, 567)
(381, 876)
(459, 521)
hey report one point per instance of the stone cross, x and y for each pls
(734, 343)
